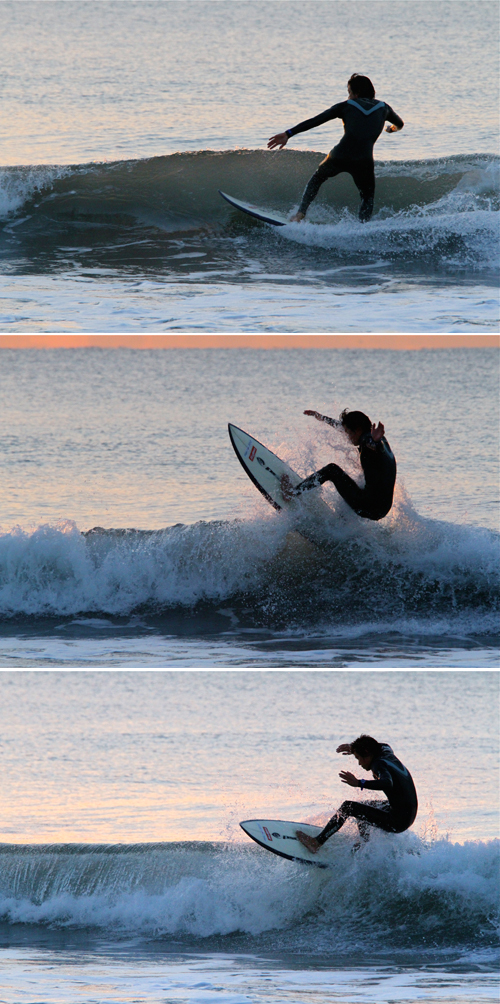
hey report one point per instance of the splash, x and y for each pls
(416, 894)
(261, 569)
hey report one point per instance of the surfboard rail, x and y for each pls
(251, 444)
(273, 219)
(275, 835)
(312, 516)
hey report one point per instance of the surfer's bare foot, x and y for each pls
(298, 218)
(286, 488)
(310, 842)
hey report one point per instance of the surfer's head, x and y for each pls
(365, 748)
(356, 424)
(360, 86)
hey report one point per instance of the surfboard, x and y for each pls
(312, 515)
(274, 219)
(278, 836)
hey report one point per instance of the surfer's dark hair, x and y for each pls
(366, 746)
(361, 86)
(354, 420)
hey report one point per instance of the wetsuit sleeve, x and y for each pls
(335, 112)
(390, 116)
(381, 783)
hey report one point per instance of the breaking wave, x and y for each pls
(443, 210)
(399, 893)
(261, 573)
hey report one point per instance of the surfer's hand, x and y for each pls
(348, 778)
(344, 748)
(281, 140)
(315, 414)
(377, 432)
(391, 128)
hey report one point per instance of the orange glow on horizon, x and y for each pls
(408, 342)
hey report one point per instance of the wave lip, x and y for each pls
(266, 573)
(445, 208)
(188, 183)
(400, 893)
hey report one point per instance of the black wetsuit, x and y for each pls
(395, 815)
(363, 120)
(379, 466)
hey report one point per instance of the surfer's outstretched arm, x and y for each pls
(281, 138)
(324, 418)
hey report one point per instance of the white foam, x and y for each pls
(448, 889)
(55, 570)
(225, 978)
(21, 184)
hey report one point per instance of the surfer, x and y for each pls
(363, 117)
(390, 776)
(377, 460)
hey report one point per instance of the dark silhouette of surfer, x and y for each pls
(363, 117)
(374, 500)
(394, 815)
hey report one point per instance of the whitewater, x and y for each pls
(193, 890)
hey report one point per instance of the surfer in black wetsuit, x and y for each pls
(390, 776)
(377, 460)
(363, 117)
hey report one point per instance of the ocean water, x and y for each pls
(131, 536)
(122, 120)
(124, 875)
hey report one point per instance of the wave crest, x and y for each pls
(445, 210)
(262, 568)
(402, 894)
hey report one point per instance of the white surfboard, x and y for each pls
(312, 516)
(274, 219)
(279, 837)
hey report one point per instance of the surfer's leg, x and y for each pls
(357, 498)
(331, 472)
(328, 168)
(364, 813)
(364, 824)
(345, 485)
(363, 175)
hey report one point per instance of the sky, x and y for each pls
(405, 342)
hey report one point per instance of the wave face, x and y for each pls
(261, 574)
(165, 213)
(394, 896)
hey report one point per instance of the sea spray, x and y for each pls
(259, 566)
(433, 895)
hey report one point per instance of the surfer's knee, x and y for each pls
(329, 472)
(347, 809)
